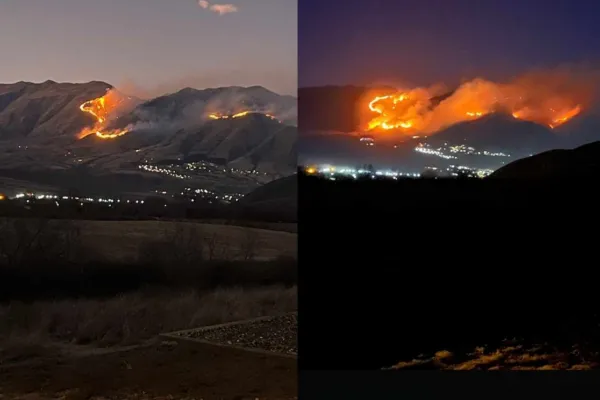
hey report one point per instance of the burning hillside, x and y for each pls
(549, 99)
(104, 109)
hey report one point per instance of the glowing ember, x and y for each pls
(474, 114)
(550, 99)
(101, 109)
(238, 115)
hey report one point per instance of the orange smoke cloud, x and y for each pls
(103, 109)
(547, 98)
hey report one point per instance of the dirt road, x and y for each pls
(163, 370)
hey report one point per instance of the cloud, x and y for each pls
(220, 9)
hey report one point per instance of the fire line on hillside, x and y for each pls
(546, 99)
(102, 109)
(239, 115)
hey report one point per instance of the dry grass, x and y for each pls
(59, 286)
(510, 356)
(27, 330)
(120, 240)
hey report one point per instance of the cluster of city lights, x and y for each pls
(183, 171)
(332, 172)
(449, 152)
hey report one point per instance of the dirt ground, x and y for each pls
(161, 370)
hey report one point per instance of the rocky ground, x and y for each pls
(273, 334)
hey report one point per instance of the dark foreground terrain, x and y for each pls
(161, 370)
(82, 304)
(414, 268)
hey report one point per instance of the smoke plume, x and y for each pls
(193, 112)
(549, 98)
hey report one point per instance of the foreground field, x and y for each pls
(74, 294)
(162, 370)
(78, 349)
(121, 240)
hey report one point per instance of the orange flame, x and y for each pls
(101, 109)
(238, 115)
(549, 99)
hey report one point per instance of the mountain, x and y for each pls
(499, 132)
(338, 108)
(330, 113)
(251, 142)
(45, 111)
(191, 106)
(582, 162)
(40, 142)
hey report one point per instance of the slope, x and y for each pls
(189, 107)
(43, 112)
(251, 142)
(277, 200)
(499, 132)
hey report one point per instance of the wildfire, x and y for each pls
(101, 109)
(237, 115)
(547, 99)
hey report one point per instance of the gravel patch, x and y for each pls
(275, 334)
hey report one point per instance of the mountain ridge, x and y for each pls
(40, 122)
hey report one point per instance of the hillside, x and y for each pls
(276, 200)
(189, 107)
(43, 112)
(330, 113)
(582, 162)
(41, 141)
(338, 108)
(499, 132)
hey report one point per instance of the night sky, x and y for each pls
(420, 42)
(150, 46)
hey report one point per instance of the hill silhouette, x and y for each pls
(582, 162)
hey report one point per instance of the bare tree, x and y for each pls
(249, 244)
(211, 246)
(26, 241)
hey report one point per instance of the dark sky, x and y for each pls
(422, 42)
(151, 45)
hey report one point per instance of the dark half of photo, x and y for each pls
(448, 172)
